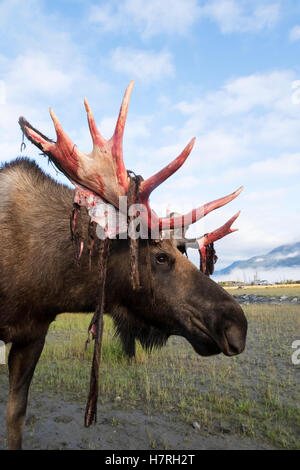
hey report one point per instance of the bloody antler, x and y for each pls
(192, 216)
(151, 183)
(208, 256)
(211, 237)
(205, 243)
(197, 214)
(103, 173)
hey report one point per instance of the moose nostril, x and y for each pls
(236, 339)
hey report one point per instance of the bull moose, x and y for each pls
(148, 286)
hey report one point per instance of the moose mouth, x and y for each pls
(205, 346)
(203, 341)
(212, 344)
(206, 343)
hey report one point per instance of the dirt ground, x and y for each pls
(56, 424)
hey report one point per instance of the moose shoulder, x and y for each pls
(39, 278)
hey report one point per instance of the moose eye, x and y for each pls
(162, 258)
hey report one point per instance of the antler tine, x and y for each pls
(36, 137)
(197, 214)
(117, 138)
(63, 151)
(96, 136)
(63, 140)
(210, 237)
(151, 183)
(219, 232)
(60, 133)
(119, 130)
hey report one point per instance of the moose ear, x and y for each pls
(35, 136)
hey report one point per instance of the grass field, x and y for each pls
(271, 291)
(255, 394)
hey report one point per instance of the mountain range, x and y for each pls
(280, 264)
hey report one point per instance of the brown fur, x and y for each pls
(39, 279)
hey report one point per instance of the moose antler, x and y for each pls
(203, 244)
(102, 172)
(211, 237)
(166, 223)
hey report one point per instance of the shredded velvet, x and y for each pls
(96, 327)
(97, 324)
(208, 259)
(133, 198)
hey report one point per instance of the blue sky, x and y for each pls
(225, 71)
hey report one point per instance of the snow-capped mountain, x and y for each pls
(282, 263)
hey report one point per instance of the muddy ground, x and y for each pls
(57, 424)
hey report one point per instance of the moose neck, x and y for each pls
(37, 253)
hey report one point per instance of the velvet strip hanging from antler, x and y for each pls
(133, 198)
(96, 329)
(77, 227)
(208, 258)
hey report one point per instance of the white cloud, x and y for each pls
(295, 33)
(296, 92)
(258, 234)
(154, 17)
(289, 255)
(272, 275)
(149, 18)
(143, 65)
(268, 194)
(38, 73)
(248, 133)
(244, 94)
(135, 128)
(242, 15)
(105, 16)
(284, 165)
(2, 92)
(217, 146)
(183, 182)
(42, 68)
(168, 16)
(249, 118)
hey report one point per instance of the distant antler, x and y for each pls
(204, 244)
(211, 237)
(103, 173)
